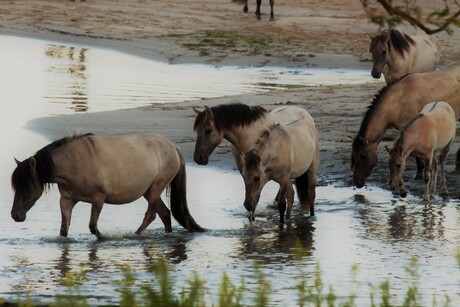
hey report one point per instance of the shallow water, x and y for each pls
(367, 227)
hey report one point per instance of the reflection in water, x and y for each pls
(70, 64)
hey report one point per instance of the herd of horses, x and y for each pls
(281, 145)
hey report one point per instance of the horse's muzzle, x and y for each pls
(376, 74)
(17, 217)
(200, 159)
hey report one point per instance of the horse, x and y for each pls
(396, 54)
(283, 153)
(114, 169)
(394, 105)
(431, 130)
(238, 123)
(259, 2)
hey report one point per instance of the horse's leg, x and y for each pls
(402, 190)
(457, 162)
(442, 161)
(426, 178)
(272, 14)
(96, 208)
(434, 176)
(245, 7)
(290, 199)
(156, 205)
(66, 214)
(282, 204)
(312, 181)
(419, 173)
(259, 2)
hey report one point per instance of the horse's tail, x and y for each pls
(178, 197)
(301, 184)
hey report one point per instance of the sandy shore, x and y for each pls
(312, 33)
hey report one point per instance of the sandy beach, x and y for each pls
(331, 34)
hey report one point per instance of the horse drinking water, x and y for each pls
(283, 153)
(396, 54)
(395, 105)
(114, 169)
(431, 130)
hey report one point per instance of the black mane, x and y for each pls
(22, 175)
(401, 42)
(374, 105)
(229, 116)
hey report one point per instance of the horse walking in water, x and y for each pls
(281, 154)
(431, 130)
(239, 124)
(396, 54)
(114, 169)
(259, 2)
(394, 105)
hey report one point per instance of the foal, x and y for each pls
(431, 130)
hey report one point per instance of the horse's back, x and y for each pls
(289, 114)
(438, 123)
(427, 53)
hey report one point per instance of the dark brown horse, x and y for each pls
(259, 2)
(394, 105)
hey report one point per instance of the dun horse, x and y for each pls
(115, 169)
(239, 124)
(396, 54)
(394, 105)
(259, 2)
(431, 130)
(283, 153)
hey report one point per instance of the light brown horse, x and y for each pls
(431, 130)
(394, 105)
(396, 54)
(281, 154)
(114, 169)
(259, 2)
(240, 124)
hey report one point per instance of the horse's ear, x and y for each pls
(17, 161)
(33, 164)
(208, 111)
(196, 110)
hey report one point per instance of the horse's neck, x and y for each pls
(243, 138)
(378, 124)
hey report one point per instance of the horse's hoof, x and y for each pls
(403, 194)
(251, 217)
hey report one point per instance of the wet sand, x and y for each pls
(313, 34)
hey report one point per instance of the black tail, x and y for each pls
(178, 197)
(301, 184)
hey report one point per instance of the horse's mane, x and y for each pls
(228, 116)
(405, 127)
(400, 41)
(378, 98)
(21, 177)
(252, 157)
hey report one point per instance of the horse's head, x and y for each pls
(379, 50)
(254, 180)
(397, 164)
(208, 136)
(363, 160)
(27, 186)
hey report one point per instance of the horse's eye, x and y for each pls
(398, 165)
(208, 131)
(257, 178)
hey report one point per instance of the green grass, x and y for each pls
(310, 288)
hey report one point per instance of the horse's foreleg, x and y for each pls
(259, 2)
(402, 190)
(282, 204)
(434, 176)
(66, 214)
(442, 161)
(290, 200)
(272, 14)
(96, 208)
(426, 179)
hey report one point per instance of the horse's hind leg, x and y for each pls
(96, 208)
(66, 215)
(434, 176)
(426, 178)
(156, 205)
(272, 14)
(245, 7)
